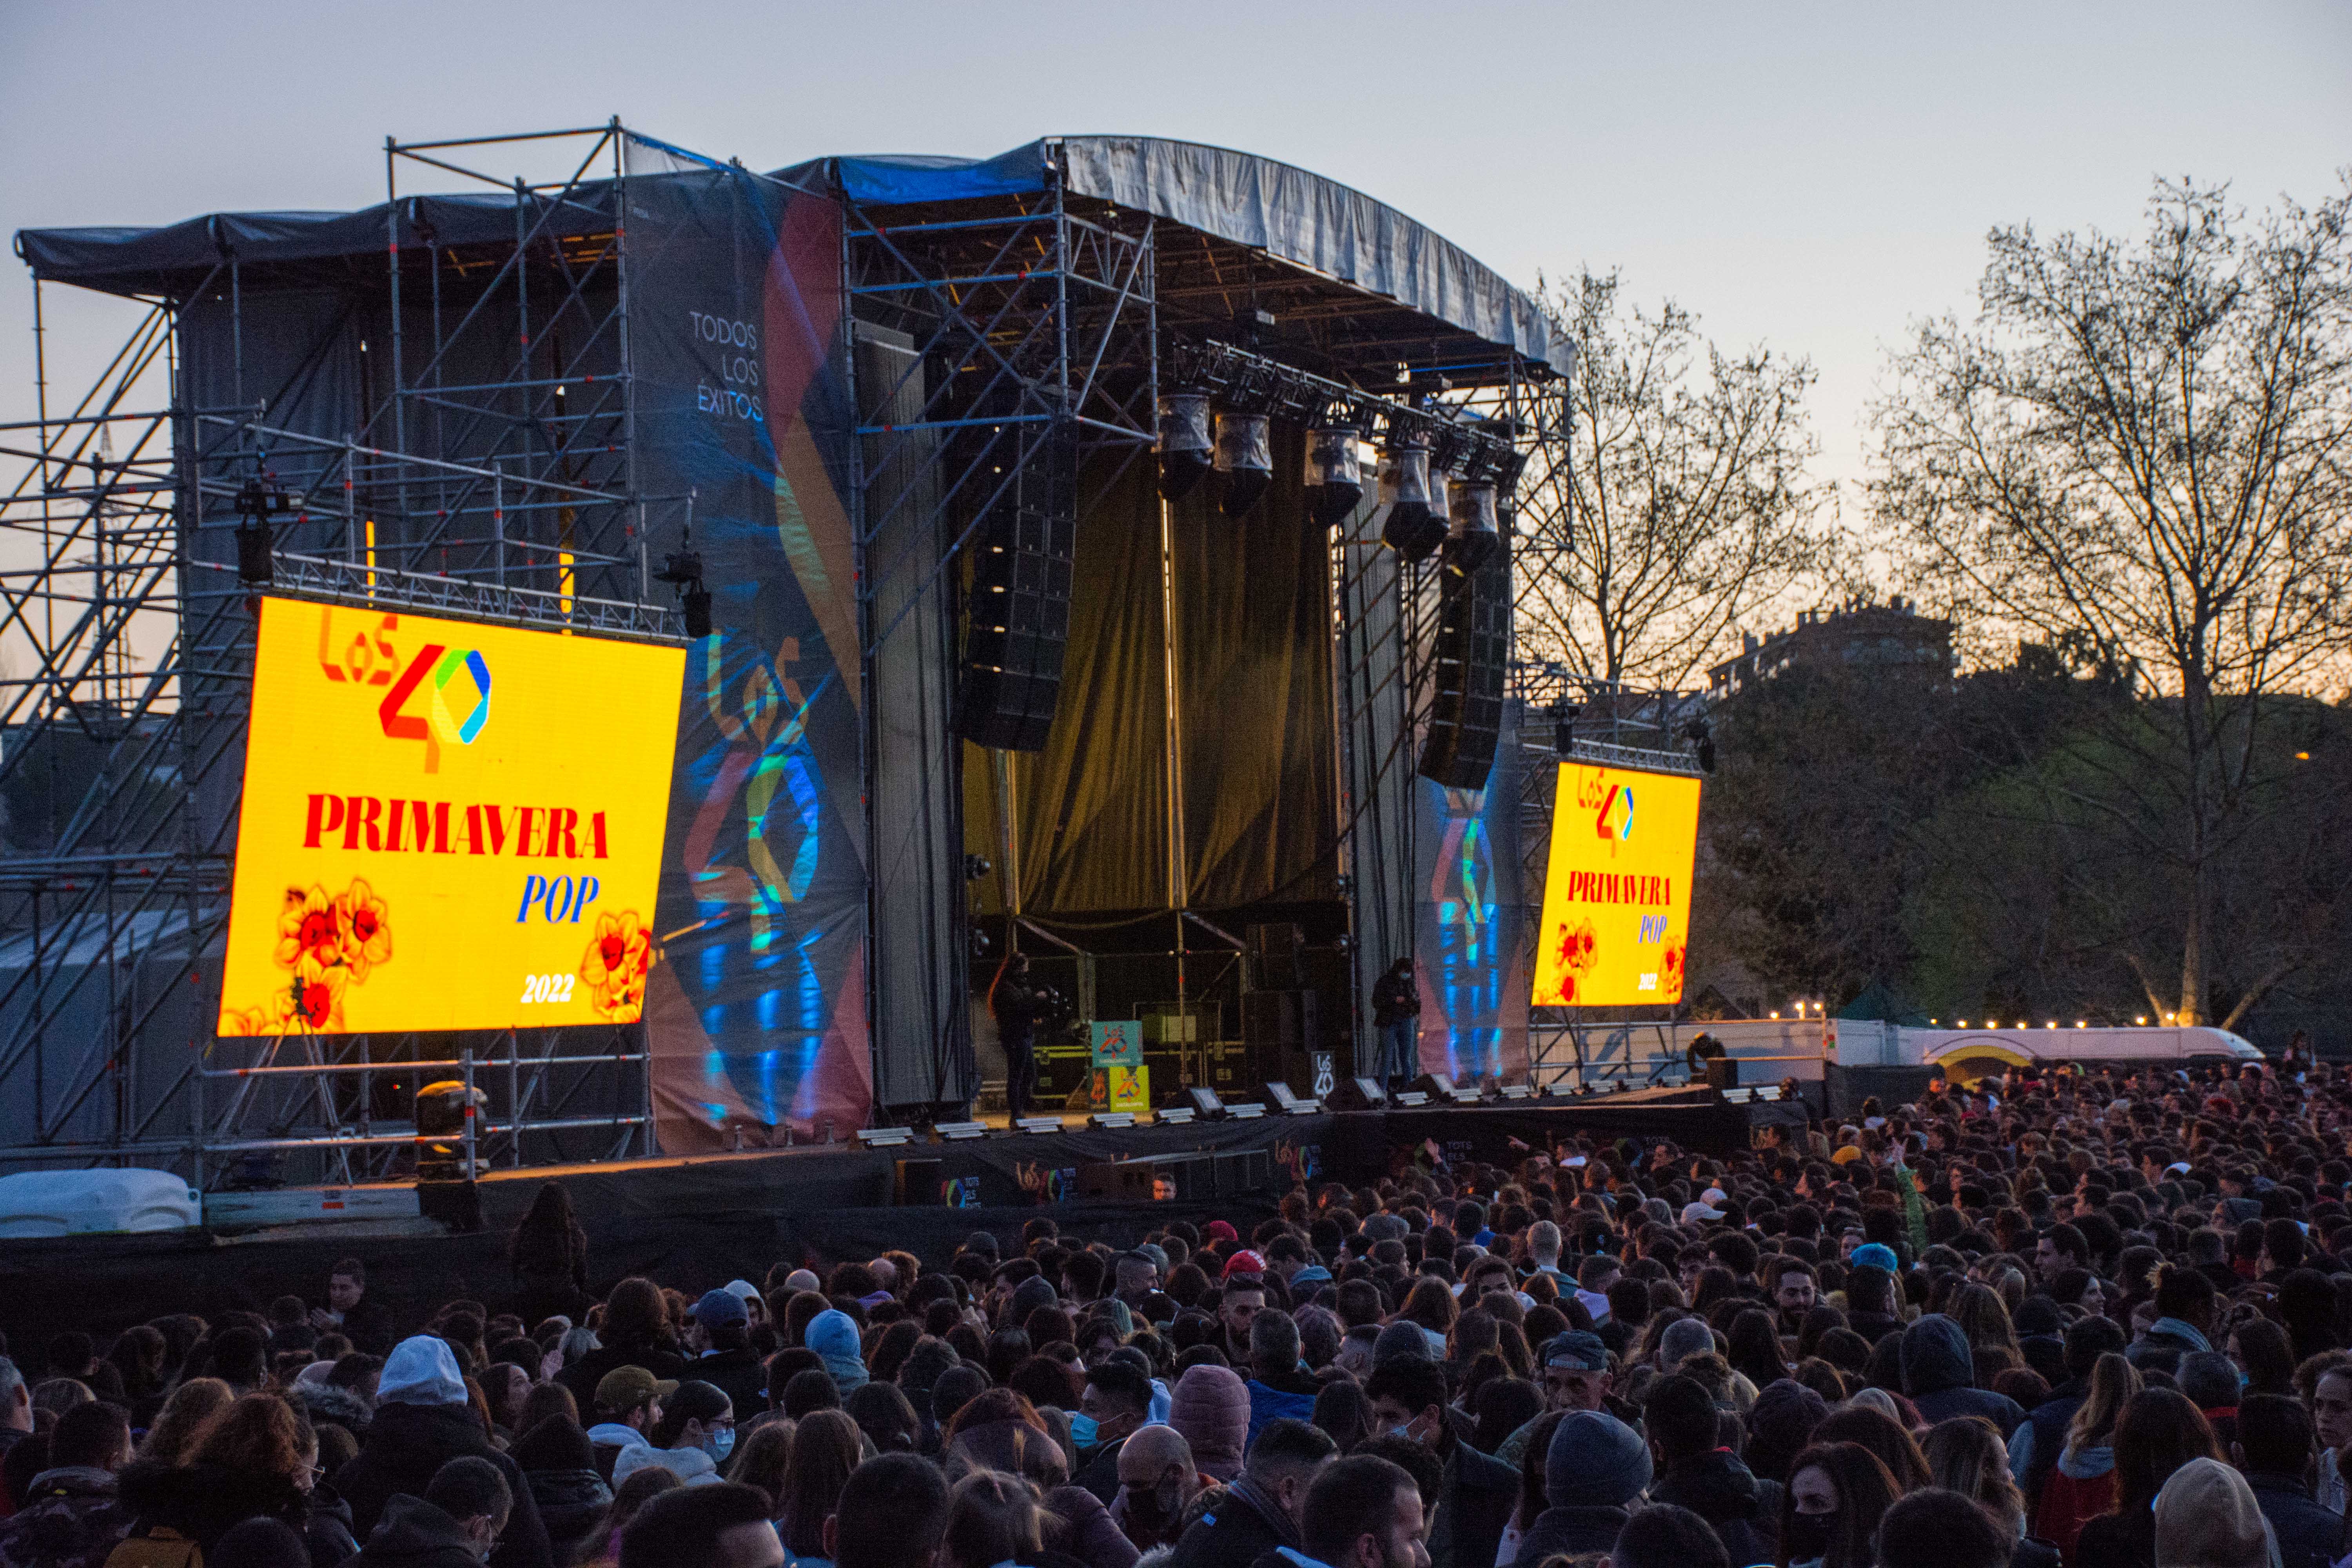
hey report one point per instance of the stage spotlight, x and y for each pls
(1563, 728)
(1414, 529)
(976, 868)
(1184, 446)
(683, 570)
(254, 502)
(1335, 474)
(1472, 510)
(1245, 456)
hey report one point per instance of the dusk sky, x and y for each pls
(1809, 176)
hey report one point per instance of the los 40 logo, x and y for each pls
(456, 706)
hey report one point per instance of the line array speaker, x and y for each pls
(1017, 616)
(1474, 639)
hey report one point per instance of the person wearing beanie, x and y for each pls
(833, 1334)
(1779, 1423)
(1593, 1470)
(2206, 1517)
(1028, 1296)
(1211, 1407)
(422, 1422)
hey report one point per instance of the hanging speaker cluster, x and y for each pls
(1415, 525)
(1335, 473)
(1473, 530)
(1246, 457)
(1185, 449)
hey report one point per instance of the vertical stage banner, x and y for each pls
(757, 1008)
(1470, 929)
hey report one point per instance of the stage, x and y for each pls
(697, 1221)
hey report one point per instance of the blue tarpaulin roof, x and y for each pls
(1286, 212)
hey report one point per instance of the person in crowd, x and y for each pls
(548, 1253)
(1837, 1492)
(719, 1341)
(2273, 1447)
(1260, 1511)
(1965, 1454)
(719, 1526)
(1932, 1528)
(258, 1460)
(1940, 1377)
(348, 1312)
(423, 1419)
(1409, 1399)
(2206, 1517)
(892, 1514)
(1661, 1535)
(693, 1438)
(635, 1333)
(2080, 1483)
(832, 1335)
(1210, 1406)
(826, 1449)
(628, 1408)
(71, 1515)
(1362, 1512)
(1695, 1471)
(1117, 1400)
(559, 1470)
(1279, 1385)
(455, 1524)
(2159, 1431)
(1157, 1485)
(1595, 1468)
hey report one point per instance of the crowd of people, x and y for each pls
(2095, 1321)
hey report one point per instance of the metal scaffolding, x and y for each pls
(453, 434)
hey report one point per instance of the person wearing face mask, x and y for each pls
(1117, 1399)
(1837, 1494)
(1477, 1491)
(455, 1524)
(1157, 1484)
(1261, 1511)
(695, 1433)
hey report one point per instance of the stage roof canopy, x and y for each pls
(1237, 231)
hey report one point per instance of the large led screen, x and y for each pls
(1616, 904)
(445, 826)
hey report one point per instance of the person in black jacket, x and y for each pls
(1938, 1370)
(1697, 1473)
(2274, 1448)
(548, 1255)
(255, 1462)
(1593, 1470)
(718, 1341)
(1016, 1004)
(350, 1313)
(1260, 1510)
(559, 1469)
(1476, 1493)
(1396, 1013)
(455, 1524)
(422, 1422)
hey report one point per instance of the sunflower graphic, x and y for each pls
(366, 930)
(308, 929)
(615, 966)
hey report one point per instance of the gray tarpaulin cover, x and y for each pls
(1284, 210)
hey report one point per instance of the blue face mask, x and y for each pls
(1082, 1431)
(720, 1444)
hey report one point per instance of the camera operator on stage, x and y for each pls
(1016, 1004)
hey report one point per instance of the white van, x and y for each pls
(1968, 1054)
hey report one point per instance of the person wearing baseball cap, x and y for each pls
(628, 1405)
(1575, 1371)
(719, 1340)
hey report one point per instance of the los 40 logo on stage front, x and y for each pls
(445, 826)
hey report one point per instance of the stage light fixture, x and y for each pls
(254, 502)
(1173, 1116)
(1035, 1126)
(960, 1132)
(1703, 739)
(1335, 473)
(976, 868)
(1356, 1094)
(1290, 1104)
(1245, 1111)
(682, 569)
(1515, 1092)
(1111, 1120)
(1205, 1103)
(1471, 511)
(1563, 728)
(1414, 529)
(1185, 449)
(1411, 1098)
(1245, 456)
(884, 1137)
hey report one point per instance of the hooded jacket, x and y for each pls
(1939, 1369)
(1570, 1531)
(328, 1406)
(415, 1533)
(1212, 1409)
(405, 1444)
(833, 1334)
(1239, 1526)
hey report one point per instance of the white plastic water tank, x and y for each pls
(94, 1203)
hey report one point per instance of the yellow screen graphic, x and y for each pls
(445, 826)
(1616, 907)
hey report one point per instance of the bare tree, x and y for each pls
(2144, 446)
(1678, 486)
